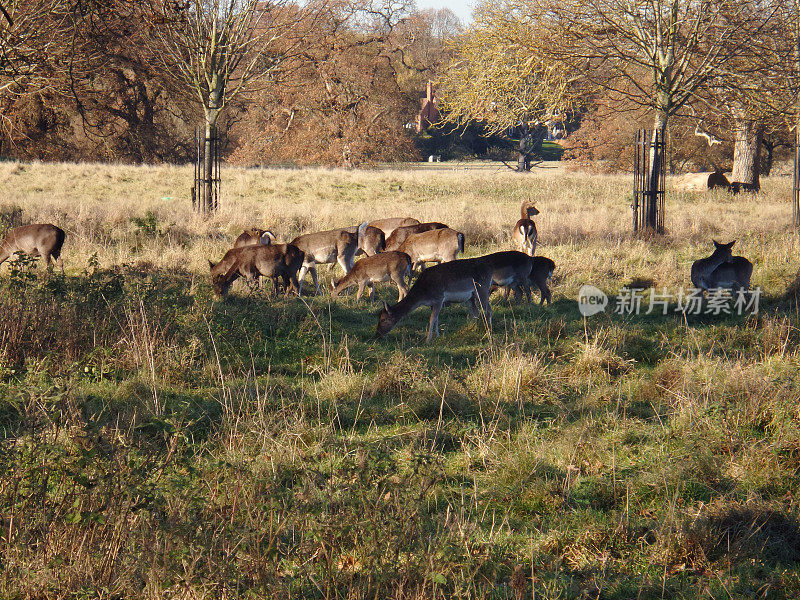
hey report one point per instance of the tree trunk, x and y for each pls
(656, 171)
(208, 203)
(746, 155)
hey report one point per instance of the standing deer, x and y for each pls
(399, 235)
(541, 273)
(275, 260)
(524, 233)
(42, 239)
(254, 236)
(371, 241)
(386, 266)
(333, 246)
(388, 225)
(467, 280)
(703, 268)
(437, 245)
(511, 270)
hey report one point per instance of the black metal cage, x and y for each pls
(648, 196)
(205, 192)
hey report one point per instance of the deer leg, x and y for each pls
(360, 292)
(402, 290)
(315, 279)
(482, 293)
(434, 322)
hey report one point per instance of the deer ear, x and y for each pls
(716, 243)
(731, 244)
(386, 307)
(210, 264)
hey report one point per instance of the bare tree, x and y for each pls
(656, 53)
(221, 49)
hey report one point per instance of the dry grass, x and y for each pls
(156, 443)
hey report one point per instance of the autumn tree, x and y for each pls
(655, 54)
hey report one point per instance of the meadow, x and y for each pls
(156, 442)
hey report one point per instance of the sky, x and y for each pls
(462, 8)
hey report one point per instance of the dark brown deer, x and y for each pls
(276, 261)
(42, 239)
(524, 234)
(511, 270)
(703, 268)
(466, 280)
(733, 275)
(386, 266)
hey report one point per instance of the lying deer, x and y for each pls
(275, 260)
(399, 235)
(390, 224)
(42, 239)
(524, 233)
(254, 236)
(333, 246)
(386, 266)
(703, 268)
(466, 280)
(437, 245)
(733, 275)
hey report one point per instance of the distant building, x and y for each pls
(429, 112)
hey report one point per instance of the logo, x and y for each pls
(591, 300)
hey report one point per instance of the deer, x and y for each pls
(399, 235)
(541, 272)
(333, 246)
(372, 240)
(388, 225)
(41, 239)
(254, 236)
(510, 270)
(733, 275)
(703, 268)
(466, 280)
(275, 260)
(524, 233)
(386, 266)
(436, 245)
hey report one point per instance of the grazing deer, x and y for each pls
(335, 245)
(703, 268)
(254, 236)
(541, 273)
(511, 270)
(390, 224)
(467, 280)
(275, 260)
(372, 240)
(42, 239)
(733, 275)
(524, 233)
(386, 266)
(399, 235)
(437, 245)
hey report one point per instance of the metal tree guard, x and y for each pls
(796, 184)
(648, 201)
(205, 192)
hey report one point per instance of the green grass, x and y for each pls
(155, 442)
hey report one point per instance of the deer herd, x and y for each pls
(393, 249)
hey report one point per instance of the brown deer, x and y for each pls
(333, 246)
(371, 241)
(386, 266)
(42, 239)
(703, 268)
(275, 260)
(254, 236)
(436, 245)
(510, 270)
(399, 235)
(388, 225)
(467, 280)
(541, 273)
(524, 233)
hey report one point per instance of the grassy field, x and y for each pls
(156, 443)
